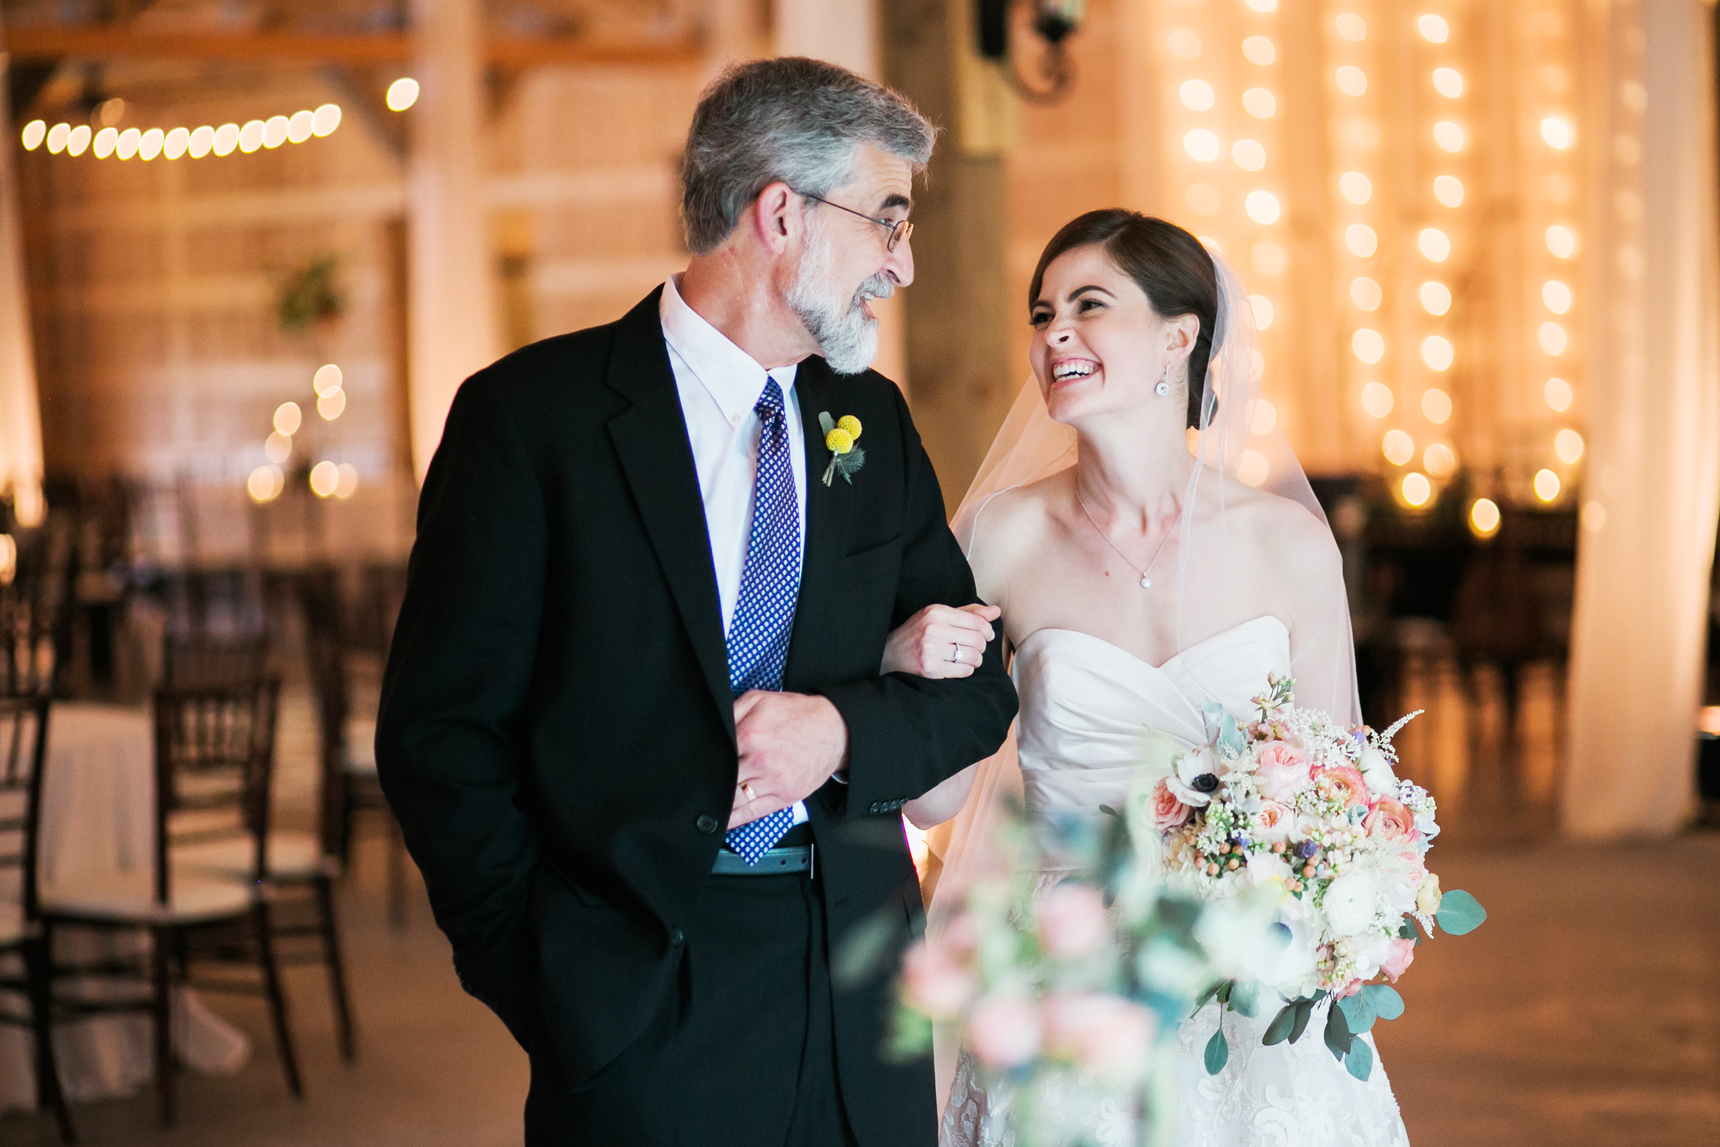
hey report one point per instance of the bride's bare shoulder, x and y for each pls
(1014, 523)
(1281, 530)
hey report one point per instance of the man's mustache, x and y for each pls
(879, 286)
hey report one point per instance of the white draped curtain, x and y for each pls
(20, 419)
(1653, 492)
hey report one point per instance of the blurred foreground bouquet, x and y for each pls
(1066, 975)
(1312, 814)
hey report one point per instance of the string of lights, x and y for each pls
(174, 143)
(1199, 78)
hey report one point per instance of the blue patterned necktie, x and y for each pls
(770, 584)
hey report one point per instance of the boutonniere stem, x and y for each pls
(840, 436)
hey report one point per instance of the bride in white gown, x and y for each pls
(1142, 569)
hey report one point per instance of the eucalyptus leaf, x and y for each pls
(1304, 1011)
(1279, 1029)
(867, 948)
(1459, 912)
(1360, 1061)
(1337, 1033)
(1359, 1011)
(1245, 999)
(1384, 1000)
(1217, 1052)
(1406, 929)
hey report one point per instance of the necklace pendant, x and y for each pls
(1146, 582)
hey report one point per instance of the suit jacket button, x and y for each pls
(707, 824)
(874, 806)
(676, 938)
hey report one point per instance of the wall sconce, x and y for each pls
(1051, 21)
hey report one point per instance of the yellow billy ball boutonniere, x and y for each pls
(840, 437)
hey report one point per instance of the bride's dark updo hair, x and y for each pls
(1170, 266)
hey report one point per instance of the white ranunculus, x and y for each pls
(1377, 772)
(1426, 825)
(1371, 953)
(1351, 902)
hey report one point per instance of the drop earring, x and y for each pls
(1164, 384)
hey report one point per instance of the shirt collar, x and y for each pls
(734, 378)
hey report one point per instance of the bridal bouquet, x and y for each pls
(1066, 973)
(1312, 811)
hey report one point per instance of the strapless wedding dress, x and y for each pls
(1086, 709)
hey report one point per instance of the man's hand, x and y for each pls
(790, 744)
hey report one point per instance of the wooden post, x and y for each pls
(452, 316)
(958, 309)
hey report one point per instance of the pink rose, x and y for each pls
(1401, 957)
(1274, 821)
(1072, 920)
(1390, 821)
(1282, 769)
(1348, 989)
(1105, 1034)
(1003, 1032)
(1168, 811)
(961, 936)
(934, 982)
(1345, 782)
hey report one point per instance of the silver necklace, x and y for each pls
(1146, 582)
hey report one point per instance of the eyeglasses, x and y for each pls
(899, 229)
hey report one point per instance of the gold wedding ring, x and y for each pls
(746, 789)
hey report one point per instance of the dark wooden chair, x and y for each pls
(32, 623)
(23, 749)
(214, 758)
(198, 662)
(347, 742)
(301, 867)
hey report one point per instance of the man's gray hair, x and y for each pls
(790, 119)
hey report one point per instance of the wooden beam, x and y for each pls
(39, 42)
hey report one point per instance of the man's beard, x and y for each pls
(846, 335)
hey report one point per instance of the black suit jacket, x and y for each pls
(556, 733)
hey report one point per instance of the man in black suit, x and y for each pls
(634, 723)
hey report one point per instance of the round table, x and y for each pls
(98, 818)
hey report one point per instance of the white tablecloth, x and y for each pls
(97, 818)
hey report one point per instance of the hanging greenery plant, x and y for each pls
(309, 295)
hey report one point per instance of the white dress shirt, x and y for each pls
(719, 384)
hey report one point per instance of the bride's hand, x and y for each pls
(941, 641)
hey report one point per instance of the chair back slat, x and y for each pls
(23, 751)
(198, 662)
(214, 760)
(325, 653)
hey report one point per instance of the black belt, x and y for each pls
(776, 862)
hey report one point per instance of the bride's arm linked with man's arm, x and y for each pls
(941, 642)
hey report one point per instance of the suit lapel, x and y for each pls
(826, 525)
(657, 459)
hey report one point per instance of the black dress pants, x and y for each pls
(744, 1056)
